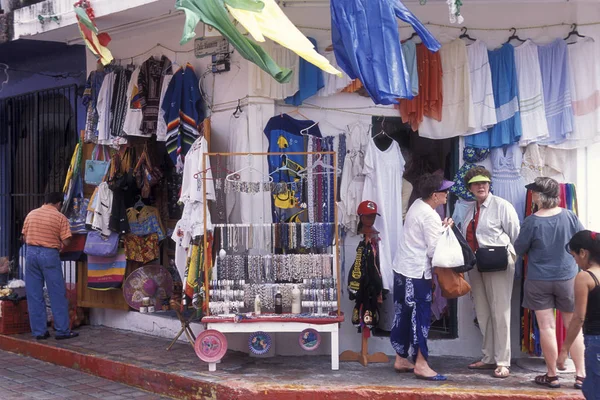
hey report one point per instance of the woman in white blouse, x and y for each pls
(412, 277)
(491, 222)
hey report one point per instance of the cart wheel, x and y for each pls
(210, 346)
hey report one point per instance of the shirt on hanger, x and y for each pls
(482, 92)
(150, 81)
(311, 81)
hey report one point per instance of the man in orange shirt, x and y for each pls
(45, 232)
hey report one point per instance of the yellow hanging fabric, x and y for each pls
(271, 22)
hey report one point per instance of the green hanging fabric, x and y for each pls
(214, 13)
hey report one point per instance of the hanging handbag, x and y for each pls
(142, 249)
(96, 169)
(286, 199)
(106, 273)
(452, 283)
(490, 259)
(98, 245)
(468, 255)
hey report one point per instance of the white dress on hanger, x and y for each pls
(531, 94)
(383, 184)
(353, 178)
(458, 115)
(585, 94)
(249, 208)
(262, 84)
(482, 91)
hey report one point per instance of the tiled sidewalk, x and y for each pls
(141, 360)
(25, 378)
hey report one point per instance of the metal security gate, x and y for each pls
(38, 133)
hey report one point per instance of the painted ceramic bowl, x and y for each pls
(309, 339)
(259, 343)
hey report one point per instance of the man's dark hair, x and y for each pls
(428, 184)
(53, 198)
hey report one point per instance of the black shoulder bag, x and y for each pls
(490, 259)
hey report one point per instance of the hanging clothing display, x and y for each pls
(506, 175)
(89, 100)
(531, 94)
(150, 80)
(263, 84)
(409, 51)
(214, 13)
(105, 117)
(332, 83)
(471, 156)
(504, 81)
(457, 110)
(183, 113)
(364, 284)
(118, 107)
(429, 101)
(584, 84)
(353, 178)
(253, 208)
(271, 22)
(383, 184)
(162, 128)
(133, 117)
(482, 93)
(367, 45)
(311, 81)
(554, 66)
(546, 161)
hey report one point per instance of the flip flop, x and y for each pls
(578, 385)
(482, 366)
(436, 378)
(404, 370)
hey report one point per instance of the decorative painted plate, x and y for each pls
(309, 339)
(259, 342)
(210, 346)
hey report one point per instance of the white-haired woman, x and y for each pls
(551, 271)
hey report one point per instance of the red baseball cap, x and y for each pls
(367, 207)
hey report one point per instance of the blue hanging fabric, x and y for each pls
(367, 46)
(311, 80)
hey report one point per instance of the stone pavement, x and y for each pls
(25, 378)
(141, 360)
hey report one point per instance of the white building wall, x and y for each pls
(229, 87)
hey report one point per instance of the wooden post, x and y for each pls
(364, 358)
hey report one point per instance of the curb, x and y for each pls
(182, 387)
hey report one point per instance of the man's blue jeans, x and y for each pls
(43, 265)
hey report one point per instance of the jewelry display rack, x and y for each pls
(248, 322)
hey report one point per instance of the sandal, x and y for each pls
(499, 372)
(545, 380)
(481, 365)
(578, 382)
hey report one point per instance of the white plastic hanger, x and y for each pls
(235, 176)
(327, 169)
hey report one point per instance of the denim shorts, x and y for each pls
(591, 385)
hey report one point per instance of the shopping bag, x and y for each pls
(452, 283)
(448, 253)
(468, 254)
(96, 169)
(106, 273)
(74, 250)
(98, 245)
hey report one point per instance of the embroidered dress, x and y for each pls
(557, 92)
(506, 175)
(531, 94)
(482, 92)
(584, 84)
(383, 184)
(504, 81)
